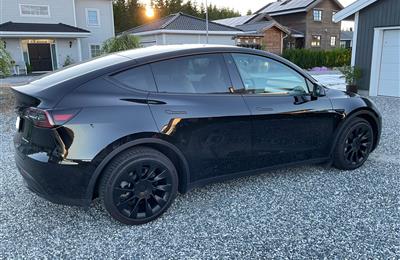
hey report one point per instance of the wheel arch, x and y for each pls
(124, 143)
(366, 113)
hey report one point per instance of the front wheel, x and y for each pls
(138, 185)
(354, 145)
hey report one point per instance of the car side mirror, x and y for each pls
(318, 91)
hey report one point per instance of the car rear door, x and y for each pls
(195, 110)
(288, 124)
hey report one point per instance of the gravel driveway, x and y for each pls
(300, 212)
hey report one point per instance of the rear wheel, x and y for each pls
(354, 145)
(138, 185)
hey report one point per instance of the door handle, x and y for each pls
(264, 109)
(175, 112)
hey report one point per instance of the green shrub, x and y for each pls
(68, 61)
(5, 61)
(120, 43)
(28, 68)
(350, 74)
(309, 58)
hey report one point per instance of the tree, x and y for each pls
(120, 43)
(120, 15)
(249, 12)
(5, 60)
(128, 14)
(131, 13)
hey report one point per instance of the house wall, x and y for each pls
(193, 38)
(272, 40)
(14, 47)
(63, 50)
(383, 13)
(295, 21)
(326, 28)
(61, 11)
(171, 38)
(304, 22)
(98, 33)
(149, 40)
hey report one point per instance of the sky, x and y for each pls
(244, 5)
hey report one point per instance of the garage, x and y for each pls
(376, 45)
(389, 73)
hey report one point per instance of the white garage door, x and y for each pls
(389, 78)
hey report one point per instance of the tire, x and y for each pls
(354, 145)
(138, 185)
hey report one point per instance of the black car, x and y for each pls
(135, 128)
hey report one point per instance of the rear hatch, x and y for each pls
(39, 122)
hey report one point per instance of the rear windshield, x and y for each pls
(77, 70)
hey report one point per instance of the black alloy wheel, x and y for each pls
(354, 145)
(139, 185)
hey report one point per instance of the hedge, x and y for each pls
(308, 58)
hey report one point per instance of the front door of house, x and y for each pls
(40, 56)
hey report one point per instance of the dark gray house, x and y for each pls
(376, 44)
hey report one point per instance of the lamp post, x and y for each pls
(206, 22)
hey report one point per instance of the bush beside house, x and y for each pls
(121, 43)
(5, 61)
(309, 58)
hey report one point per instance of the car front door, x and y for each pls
(195, 110)
(288, 124)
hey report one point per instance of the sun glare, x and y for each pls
(149, 12)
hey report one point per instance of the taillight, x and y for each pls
(49, 118)
(39, 117)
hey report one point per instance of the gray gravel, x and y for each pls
(301, 212)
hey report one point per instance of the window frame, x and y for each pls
(244, 91)
(312, 39)
(33, 15)
(333, 14)
(90, 49)
(87, 10)
(330, 43)
(110, 77)
(317, 10)
(224, 62)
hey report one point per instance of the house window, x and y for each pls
(316, 41)
(92, 17)
(333, 41)
(343, 44)
(34, 10)
(333, 14)
(95, 50)
(317, 15)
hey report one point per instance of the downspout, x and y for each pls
(284, 37)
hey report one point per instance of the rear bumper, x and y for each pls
(55, 182)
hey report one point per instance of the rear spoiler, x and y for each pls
(23, 100)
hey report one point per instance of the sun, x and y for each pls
(149, 12)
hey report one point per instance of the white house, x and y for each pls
(181, 28)
(47, 34)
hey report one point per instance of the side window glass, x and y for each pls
(262, 75)
(205, 74)
(137, 78)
